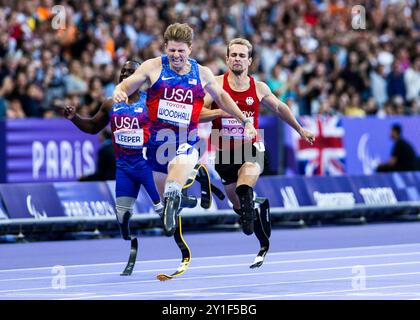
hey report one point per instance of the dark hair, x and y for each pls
(397, 128)
(133, 61)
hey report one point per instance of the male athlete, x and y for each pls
(239, 160)
(175, 97)
(129, 125)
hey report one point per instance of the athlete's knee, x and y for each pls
(123, 205)
(249, 170)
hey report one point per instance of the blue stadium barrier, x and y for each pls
(79, 205)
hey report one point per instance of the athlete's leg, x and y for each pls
(126, 191)
(160, 179)
(247, 177)
(179, 170)
(124, 208)
(262, 229)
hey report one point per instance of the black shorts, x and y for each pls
(229, 161)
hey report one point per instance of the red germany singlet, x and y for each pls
(230, 129)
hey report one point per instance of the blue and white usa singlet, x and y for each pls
(130, 132)
(174, 103)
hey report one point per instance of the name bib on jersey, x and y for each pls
(233, 128)
(175, 112)
(131, 138)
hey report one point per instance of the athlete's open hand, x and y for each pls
(307, 136)
(250, 130)
(69, 112)
(119, 95)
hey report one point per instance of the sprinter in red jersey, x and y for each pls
(175, 97)
(239, 160)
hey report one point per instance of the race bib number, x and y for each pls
(131, 138)
(175, 112)
(233, 128)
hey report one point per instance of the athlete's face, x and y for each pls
(238, 60)
(178, 54)
(128, 69)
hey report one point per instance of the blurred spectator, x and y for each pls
(306, 50)
(395, 82)
(403, 156)
(74, 82)
(105, 167)
(379, 85)
(14, 110)
(354, 108)
(412, 81)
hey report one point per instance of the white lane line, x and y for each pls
(224, 265)
(224, 257)
(359, 291)
(217, 276)
(167, 292)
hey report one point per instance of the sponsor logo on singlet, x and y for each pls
(176, 107)
(233, 128)
(131, 138)
(128, 132)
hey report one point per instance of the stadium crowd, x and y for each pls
(308, 52)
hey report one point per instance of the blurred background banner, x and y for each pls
(290, 198)
(345, 145)
(36, 201)
(327, 156)
(85, 199)
(284, 191)
(37, 150)
(367, 141)
(3, 214)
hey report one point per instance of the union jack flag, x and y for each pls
(327, 155)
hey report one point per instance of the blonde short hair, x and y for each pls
(179, 32)
(243, 42)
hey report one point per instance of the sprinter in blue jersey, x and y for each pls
(176, 87)
(130, 131)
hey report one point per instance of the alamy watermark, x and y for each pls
(358, 20)
(358, 281)
(58, 281)
(59, 20)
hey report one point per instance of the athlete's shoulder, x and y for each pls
(152, 63)
(205, 74)
(262, 87)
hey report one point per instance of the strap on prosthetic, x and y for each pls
(201, 175)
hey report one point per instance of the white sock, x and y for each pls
(172, 189)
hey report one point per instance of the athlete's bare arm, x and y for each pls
(147, 73)
(282, 110)
(223, 99)
(90, 125)
(208, 114)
